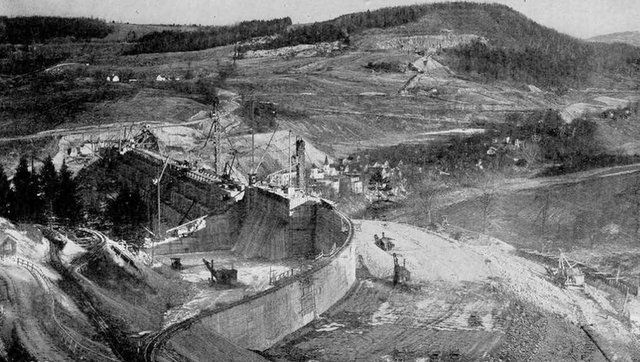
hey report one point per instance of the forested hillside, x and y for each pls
(38, 29)
(175, 41)
(517, 48)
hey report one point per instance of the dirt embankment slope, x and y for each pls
(473, 300)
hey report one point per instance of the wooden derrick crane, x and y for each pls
(566, 274)
(221, 276)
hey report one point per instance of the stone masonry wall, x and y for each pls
(264, 319)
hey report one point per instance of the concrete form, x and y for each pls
(262, 320)
(185, 195)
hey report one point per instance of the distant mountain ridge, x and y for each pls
(627, 37)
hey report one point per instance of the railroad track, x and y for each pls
(85, 304)
(5, 295)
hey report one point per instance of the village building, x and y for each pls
(316, 173)
(351, 183)
(8, 245)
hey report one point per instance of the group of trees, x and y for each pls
(127, 213)
(573, 145)
(37, 196)
(42, 101)
(519, 49)
(569, 67)
(175, 41)
(38, 29)
(26, 59)
(305, 34)
(559, 141)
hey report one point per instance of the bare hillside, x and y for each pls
(628, 37)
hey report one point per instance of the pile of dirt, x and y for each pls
(432, 258)
(532, 334)
(427, 256)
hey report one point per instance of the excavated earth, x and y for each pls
(471, 300)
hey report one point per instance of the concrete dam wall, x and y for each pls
(183, 198)
(274, 230)
(264, 319)
(263, 225)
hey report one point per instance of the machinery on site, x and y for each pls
(221, 276)
(400, 272)
(188, 228)
(566, 274)
(383, 242)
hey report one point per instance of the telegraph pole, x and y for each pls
(289, 169)
(253, 131)
(215, 148)
(157, 182)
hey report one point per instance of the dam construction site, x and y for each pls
(447, 181)
(257, 271)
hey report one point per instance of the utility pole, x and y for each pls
(253, 132)
(289, 169)
(215, 148)
(157, 182)
(252, 175)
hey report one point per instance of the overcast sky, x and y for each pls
(580, 18)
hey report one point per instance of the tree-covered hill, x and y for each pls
(39, 29)
(517, 48)
(208, 37)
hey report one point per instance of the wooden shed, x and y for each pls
(8, 245)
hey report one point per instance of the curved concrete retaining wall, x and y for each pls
(264, 319)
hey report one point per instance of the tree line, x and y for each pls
(573, 145)
(37, 196)
(49, 195)
(569, 67)
(516, 47)
(38, 29)
(21, 60)
(177, 41)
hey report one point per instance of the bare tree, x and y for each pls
(426, 191)
(543, 215)
(487, 185)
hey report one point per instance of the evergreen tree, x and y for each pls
(48, 185)
(67, 204)
(27, 203)
(128, 213)
(6, 195)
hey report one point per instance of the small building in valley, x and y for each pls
(8, 245)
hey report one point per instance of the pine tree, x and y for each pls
(67, 204)
(6, 195)
(27, 204)
(48, 185)
(128, 213)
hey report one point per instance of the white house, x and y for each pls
(316, 173)
(115, 78)
(160, 78)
